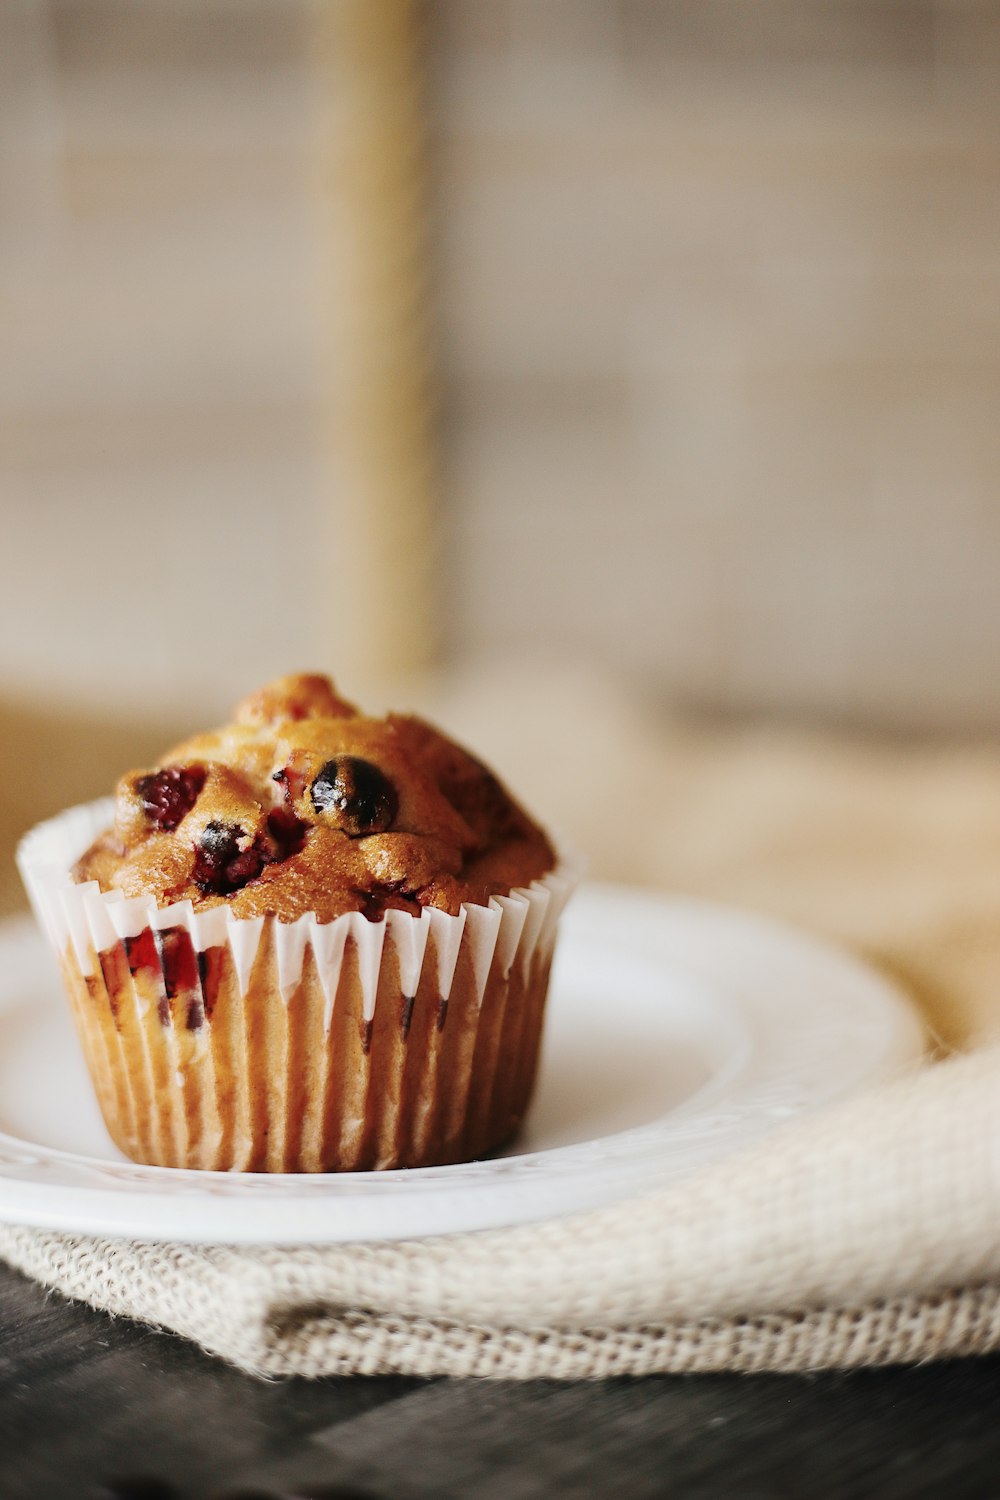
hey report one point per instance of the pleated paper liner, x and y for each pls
(263, 1046)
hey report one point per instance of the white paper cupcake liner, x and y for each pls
(504, 947)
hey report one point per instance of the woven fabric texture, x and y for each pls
(266, 1338)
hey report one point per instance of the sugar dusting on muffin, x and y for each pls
(305, 804)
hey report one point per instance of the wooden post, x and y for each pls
(382, 507)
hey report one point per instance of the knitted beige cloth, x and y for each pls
(868, 1234)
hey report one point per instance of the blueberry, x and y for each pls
(359, 796)
(168, 796)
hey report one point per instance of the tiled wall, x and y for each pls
(718, 294)
(721, 301)
(158, 359)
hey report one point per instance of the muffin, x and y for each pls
(308, 941)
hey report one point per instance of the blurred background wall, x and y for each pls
(714, 322)
(720, 291)
(159, 353)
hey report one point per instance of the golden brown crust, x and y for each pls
(303, 804)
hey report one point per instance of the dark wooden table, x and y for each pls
(94, 1409)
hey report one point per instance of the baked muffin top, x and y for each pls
(304, 804)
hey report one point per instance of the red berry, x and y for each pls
(168, 796)
(288, 833)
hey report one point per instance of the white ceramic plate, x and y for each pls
(677, 1032)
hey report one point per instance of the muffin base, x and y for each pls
(192, 1071)
(256, 1045)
